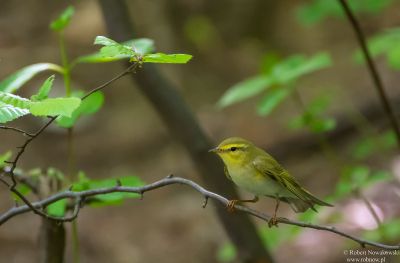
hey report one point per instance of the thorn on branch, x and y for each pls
(362, 245)
(119, 183)
(170, 176)
(205, 202)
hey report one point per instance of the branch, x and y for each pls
(16, 130)
(33, 136)
(372, 69)
(78, 196)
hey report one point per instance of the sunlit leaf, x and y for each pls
(44, 89)
(88, 106)
(141, 46)
(14, 100)
(112, 48)
(9, 112)
(63, 20)
(55, 106)
(20, 77)
(166, 58)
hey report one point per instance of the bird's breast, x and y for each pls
(253, 181)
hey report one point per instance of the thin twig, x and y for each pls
(3, 127)
(372, 69)
(130, 69)
(32, 137)
(177, 180)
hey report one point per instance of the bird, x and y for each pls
(257, 172)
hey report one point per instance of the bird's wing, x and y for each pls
(227, 173)
(271, 168)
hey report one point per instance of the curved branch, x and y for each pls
(78, 196)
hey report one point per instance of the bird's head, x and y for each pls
(234, 150)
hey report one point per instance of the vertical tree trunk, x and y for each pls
(51, 242)
(184, 127)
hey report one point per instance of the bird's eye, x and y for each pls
(233, 149)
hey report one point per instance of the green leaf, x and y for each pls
(299, 65)
(378, 176)
(58, 208)
(14, 100)
(351, 178)
(19, 78)
(268, 62)
(112, 198)
(317, 10)
(105, 41)
(63, 20)
(44, 89)
(88, 106)
(166, 58)
(385, 43)
(5, 157)
(141, 46)
(244, 90)
(321, 125)
(112, 48)
(226, 253)
(55, 106)
(9, 112)
(281, 73)
(23, 189)
(273, 98)
(388, 231)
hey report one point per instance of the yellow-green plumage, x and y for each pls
(254, 170)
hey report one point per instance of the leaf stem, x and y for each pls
(75, 242)
(65, 63)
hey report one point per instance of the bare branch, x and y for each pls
(372, 69)
(131, 68)
(78, 196)
(16, 130)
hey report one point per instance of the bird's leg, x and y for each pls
(273, 221)
(231, 204)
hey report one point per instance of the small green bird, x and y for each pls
(254, 170)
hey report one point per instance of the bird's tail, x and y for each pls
(301, 205)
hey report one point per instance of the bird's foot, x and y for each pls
(273, 222)
(231, 205)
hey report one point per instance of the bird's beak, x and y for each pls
(213, 150)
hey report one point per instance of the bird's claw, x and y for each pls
(231, 206)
